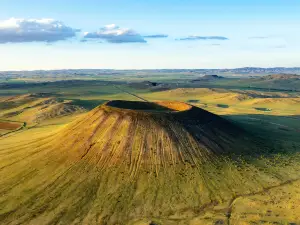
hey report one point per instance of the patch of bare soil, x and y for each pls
(9, 126)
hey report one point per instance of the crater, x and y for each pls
(162, 106)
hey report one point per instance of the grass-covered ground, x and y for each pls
(262, 188)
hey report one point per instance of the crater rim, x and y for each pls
(148, 107)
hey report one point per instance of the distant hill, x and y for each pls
(208, 78)
(279, 82)
(84, 73)
(258, 70)
(276, 81)
(281, 77)
(34, 108)
(144, 84)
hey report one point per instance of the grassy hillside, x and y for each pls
(71, 166)
(35, 108)
(223, 101)
(275, 81)
(132, 163)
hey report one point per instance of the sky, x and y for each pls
(148, 34)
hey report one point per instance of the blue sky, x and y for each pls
(189, 34)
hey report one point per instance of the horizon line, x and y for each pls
(145, 69)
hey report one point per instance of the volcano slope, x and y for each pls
(130, 162)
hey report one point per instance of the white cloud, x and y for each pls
(17, 30)
(195, 38)
(259, 37)
(114, 34)
(156, 36)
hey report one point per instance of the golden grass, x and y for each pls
(33, 110)
(119, 167)
(116, 167)
(237, 102)
(280, 204)
(177, 106)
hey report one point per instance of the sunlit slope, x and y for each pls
(128, 161)
(223, 101)
(35, 108)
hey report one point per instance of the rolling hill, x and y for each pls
(287, 82)
(208, 78)
(35, 108)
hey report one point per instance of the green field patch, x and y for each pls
(263, 109)
(223, 106)
(88, 104)
(193, 101)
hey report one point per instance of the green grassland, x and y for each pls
(44, 180)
